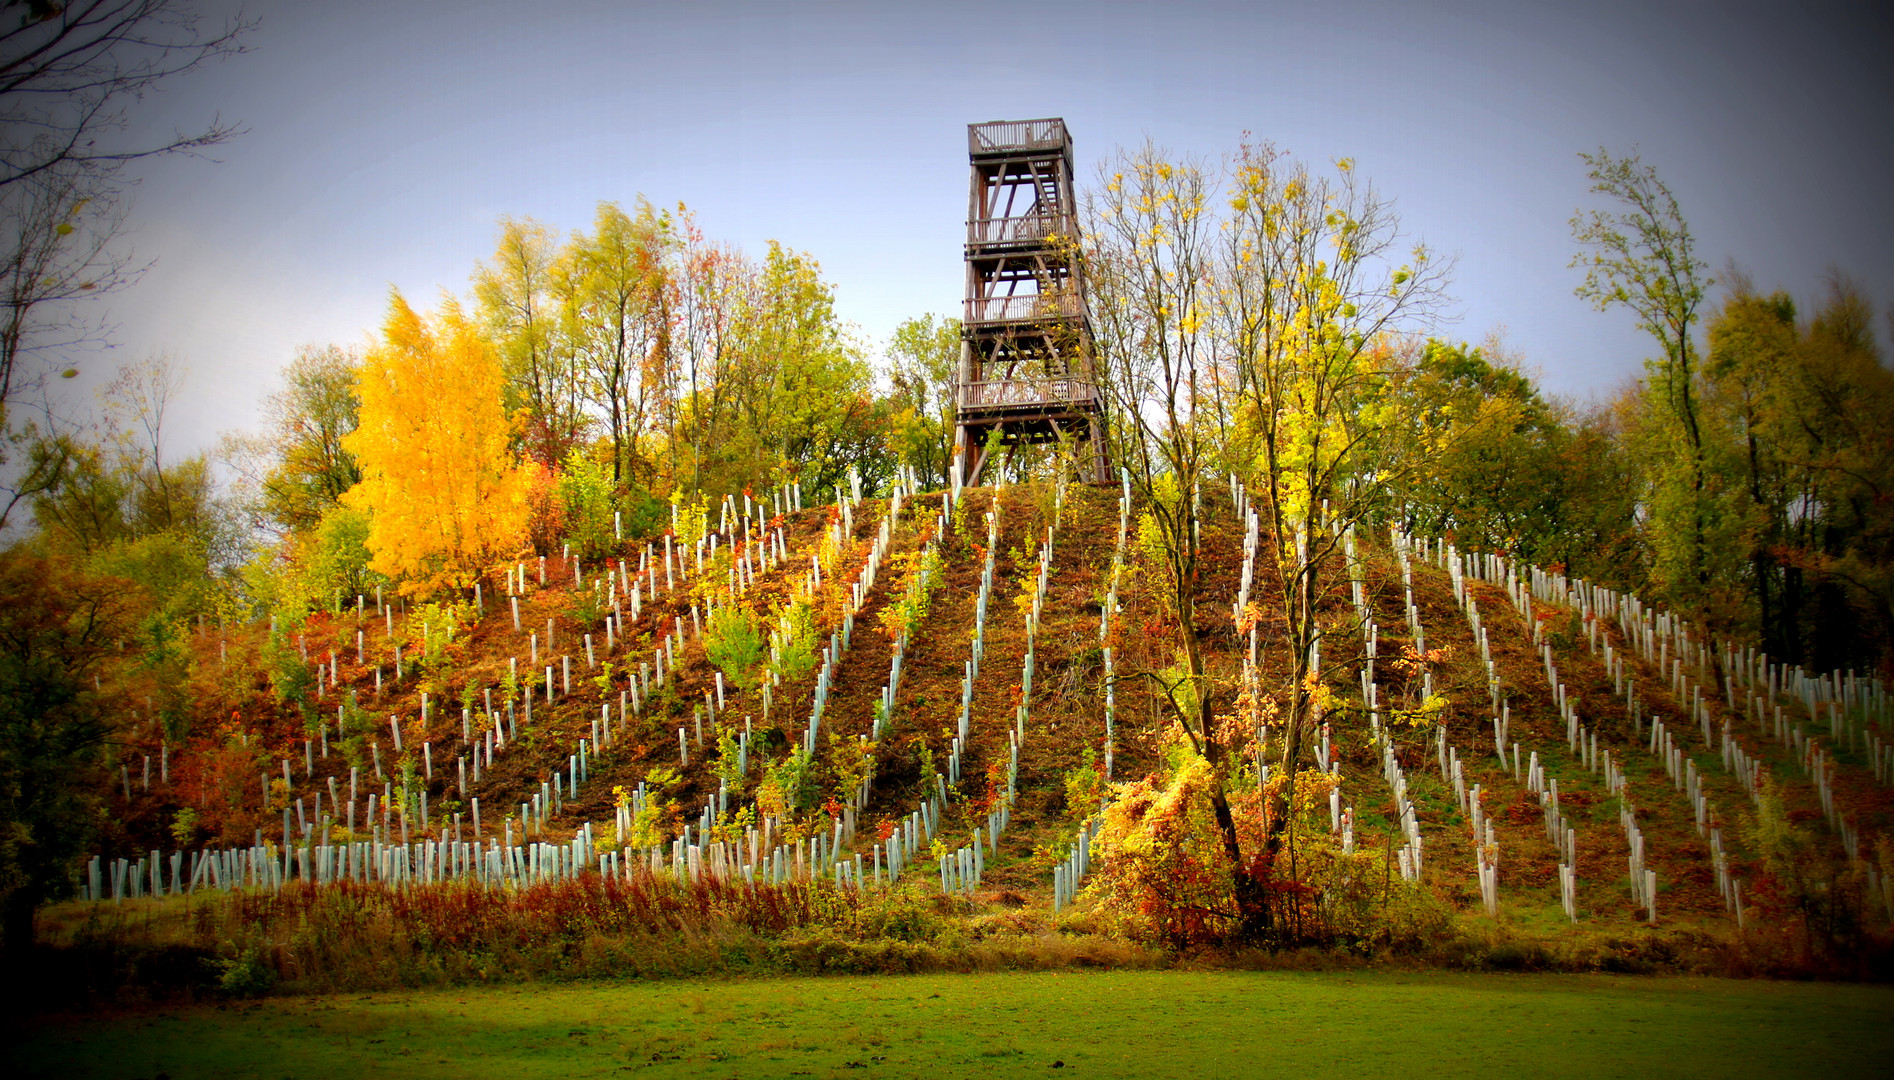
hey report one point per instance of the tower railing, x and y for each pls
(1021, 228)
(1067, 390)
(1036, 307)
(1012, 136)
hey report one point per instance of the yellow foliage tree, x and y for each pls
(444, 495)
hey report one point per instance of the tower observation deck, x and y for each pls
(1025, 357)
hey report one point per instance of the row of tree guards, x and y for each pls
(398, 841)
(505, 861)
(1666, 645)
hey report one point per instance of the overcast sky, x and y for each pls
(385, 140)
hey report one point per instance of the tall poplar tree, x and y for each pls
(1638, 254)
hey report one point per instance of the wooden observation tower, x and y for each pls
(1025, 356)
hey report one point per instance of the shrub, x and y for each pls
(1802, 878)
(794, 643)
(789, 786)
(905, 615)
(585, 494)
(643, 513)
(290, 676)
(692, 517)
(184, 827)
(734, 642)
(1160, 866)
(334, 559)
(244, 975)
(1084, 788)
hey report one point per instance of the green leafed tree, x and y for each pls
(518, 296)
(735, 643)
(1800, 457)
(774, 385)
(333, 559)
(923, 360)
(585, 490)
(121, 504)
(1637, 253)
(1503, 468)
(305, 465)
(57, 629)
(611, 285)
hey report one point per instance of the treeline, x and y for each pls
(597, 378)
(683, 363)
(1751, 486)
(1268, 321)
(585, 382)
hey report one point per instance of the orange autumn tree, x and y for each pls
(444, 495)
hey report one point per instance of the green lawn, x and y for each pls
(1098, 1024)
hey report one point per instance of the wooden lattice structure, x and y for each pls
(1025, 369)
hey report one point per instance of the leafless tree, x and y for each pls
(71, 75)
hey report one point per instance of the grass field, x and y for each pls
(1102, 1024)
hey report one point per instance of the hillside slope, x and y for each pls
(615, 738)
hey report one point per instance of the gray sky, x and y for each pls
(386, 140)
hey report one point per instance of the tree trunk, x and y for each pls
(1791, 644)
(1253, 916)
(1302, 637)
